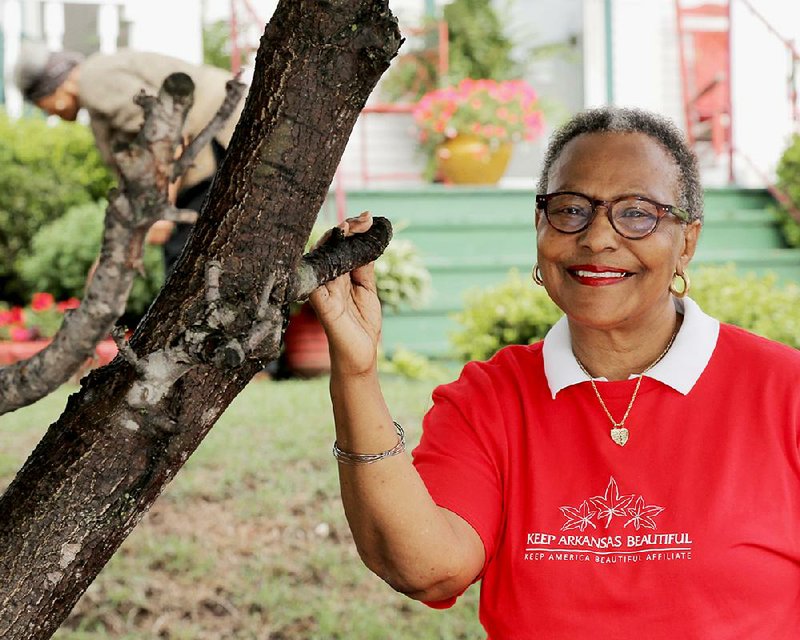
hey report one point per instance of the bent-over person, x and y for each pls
(61, 83)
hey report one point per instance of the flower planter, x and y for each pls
(11, 352)
(306, 345)
(466, 159)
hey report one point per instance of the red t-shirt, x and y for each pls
(690, 531)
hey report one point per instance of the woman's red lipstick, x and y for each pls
(597, 275)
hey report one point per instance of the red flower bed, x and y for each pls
(11, 352)
(24, 331)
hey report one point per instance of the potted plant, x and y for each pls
(402, 281)
(24, 331)
(468, 130)
(478, 46)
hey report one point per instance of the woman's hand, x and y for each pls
(159, 232)
(350, 311)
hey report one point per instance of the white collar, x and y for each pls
(680, 368)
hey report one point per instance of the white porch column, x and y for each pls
(12, 28)
(108, 26)
(594, 53)
(53, 25)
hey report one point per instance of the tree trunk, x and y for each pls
(219, 318)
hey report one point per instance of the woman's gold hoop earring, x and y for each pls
(536, 274)
(686, 285)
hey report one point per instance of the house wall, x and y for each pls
(762, 115)
(646, 73)
(382, 145)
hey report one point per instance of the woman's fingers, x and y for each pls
(359, 224)
(364, 276)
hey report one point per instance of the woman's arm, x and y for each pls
(419, 548)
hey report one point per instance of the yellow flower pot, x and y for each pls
(466, 159)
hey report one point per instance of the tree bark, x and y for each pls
(219, 318)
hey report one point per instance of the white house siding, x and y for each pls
(172, 28)
(646, 72)
(646, 69)
(762, 122)
(557, 78)
(385, 143)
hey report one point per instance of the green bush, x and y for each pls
(516, 312)
(789, 227)
(513, 312)
(788, 173)
(217, 45)
(408, 364)
(756, 303)
(401, 276)
(44, 170)
(63, 251)
(479, 46)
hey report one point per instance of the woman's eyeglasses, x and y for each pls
(632, 217)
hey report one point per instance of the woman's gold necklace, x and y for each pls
(619, 433)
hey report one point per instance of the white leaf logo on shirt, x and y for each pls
(578, 518)
(642, 514)
(612, 504)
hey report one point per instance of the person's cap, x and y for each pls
(39, 71)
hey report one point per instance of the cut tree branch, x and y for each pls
(339, 255)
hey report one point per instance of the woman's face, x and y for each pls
(605, 166)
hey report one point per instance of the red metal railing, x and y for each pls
(781, 196)
(706, 85)
(236, 47)
(692, 96)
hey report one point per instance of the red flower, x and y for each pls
(42, 301)
(14, 316)
(72, 303)
(18, 334)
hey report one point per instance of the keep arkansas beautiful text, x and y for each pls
(609, 549)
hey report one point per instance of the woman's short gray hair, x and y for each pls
(626, 120)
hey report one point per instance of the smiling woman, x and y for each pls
(611, 274)
(657, 530)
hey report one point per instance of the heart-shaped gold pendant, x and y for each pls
(620, 436)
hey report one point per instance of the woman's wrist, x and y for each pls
(344, 367)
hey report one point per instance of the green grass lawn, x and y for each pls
(250, 540)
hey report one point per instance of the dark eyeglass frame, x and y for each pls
(662, 209)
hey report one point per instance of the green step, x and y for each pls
(722, 198)
(423, 333)
(738, 217)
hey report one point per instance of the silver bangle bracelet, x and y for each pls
(345, 457)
